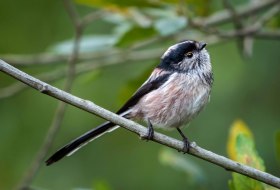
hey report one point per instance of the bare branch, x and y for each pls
(268, 15)
(218, 18)
(72, 12)
(117, 57)
(225, 16)
(235, 17)
(269, 34)
(81, 68)
(61, 108)
(238, 26)
(27, 60)
(90, 107)
(255, 30)
(86, 20)
(50, 58)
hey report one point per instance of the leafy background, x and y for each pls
(245, 87)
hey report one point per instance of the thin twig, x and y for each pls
(215, 19)
(31, 172)
(235, 17)
(123, 57)
(238, 26)
(84, 67)
(255, 30)
(73, 15)
(86, 20)
(37, 59)
(51, 58)
(90, 107)
(224, 16)
(269, 34)
(261, 21)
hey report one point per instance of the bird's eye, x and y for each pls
(189, 54)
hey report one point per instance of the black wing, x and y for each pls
(147, 87)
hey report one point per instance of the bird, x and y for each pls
(177, 90)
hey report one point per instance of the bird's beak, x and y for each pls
(201, 45)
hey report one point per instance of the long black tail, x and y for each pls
(81, 141)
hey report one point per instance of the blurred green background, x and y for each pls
(245, 87)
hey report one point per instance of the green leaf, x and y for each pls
(136, 34)
(241, 148)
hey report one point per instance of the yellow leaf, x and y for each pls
(241, 148)
(237, 128)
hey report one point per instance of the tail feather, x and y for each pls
(79, 142)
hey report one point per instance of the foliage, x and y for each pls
(241, 148)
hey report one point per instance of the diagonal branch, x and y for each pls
(90, 107)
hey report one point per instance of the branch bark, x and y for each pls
(90, 107)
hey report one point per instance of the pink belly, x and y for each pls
(172, 106)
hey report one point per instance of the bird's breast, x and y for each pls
(175, 103)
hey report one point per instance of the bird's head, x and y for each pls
(186, 56)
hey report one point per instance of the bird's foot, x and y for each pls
(186, 141)
(186, 147)
(150, 133)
